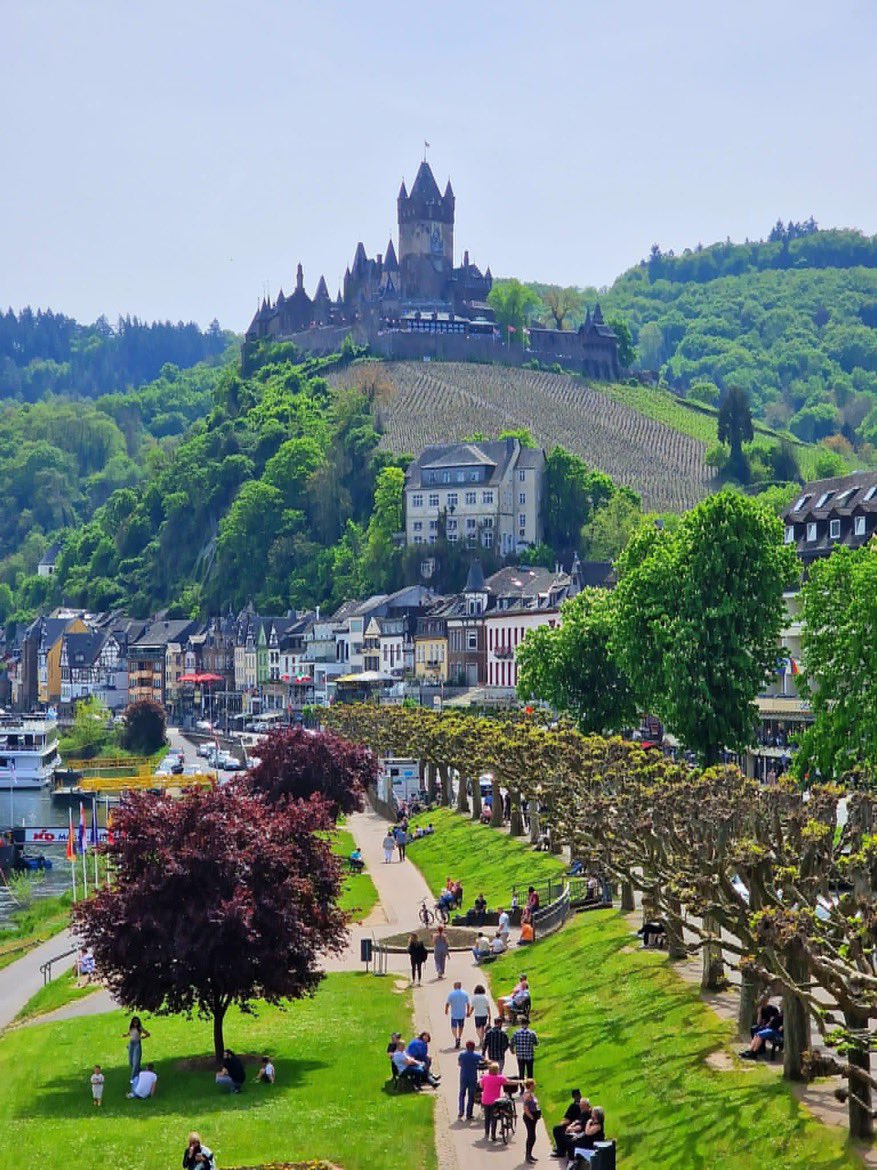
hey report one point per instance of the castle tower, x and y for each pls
(426, 237)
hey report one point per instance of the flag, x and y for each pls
(92, 836)
(794, 666)
(71, 844)
(511, 329)
(109, 827)
(81, 842)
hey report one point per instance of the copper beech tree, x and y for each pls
(295, 764)
(217, 898)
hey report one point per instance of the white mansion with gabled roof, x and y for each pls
(486, 495)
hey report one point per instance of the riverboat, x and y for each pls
(28, 751)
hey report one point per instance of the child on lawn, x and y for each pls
(97, 1085)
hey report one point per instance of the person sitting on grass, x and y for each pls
(772, 1032)
(527, 933)
(197, 1156)
(146, 1084)
(581, 1142)
(498, 943)
(406, 1066)
(356, 862)
(446, 897)
(266, 1072)
(231, 1076)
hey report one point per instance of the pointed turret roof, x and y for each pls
(280, 298)
(403, 191)
(359, 257)
(322, 293)
(475, 580)
(598, 314)
(391, 264)
(425, 186)
(449, 192)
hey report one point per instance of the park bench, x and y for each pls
(355, 866)
(399, 1083)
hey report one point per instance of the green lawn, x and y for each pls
(43, 919)
(358, 896)
(329, 1101)
(56, 994)
(622, 1026)
(486, 860)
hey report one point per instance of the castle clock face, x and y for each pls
(435, 241)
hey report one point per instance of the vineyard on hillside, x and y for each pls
(419, 403)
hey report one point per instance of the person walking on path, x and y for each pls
(135, 1036)
(480, 1011)
(458, 1006)
(503, 926)
(531, 1114)
(417, 953)
(469, 1061)
(440, 951)
(389, 847)
(401, 836)
(495, 1044)
(523, 1045)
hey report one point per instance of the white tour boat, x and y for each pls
(28, 750)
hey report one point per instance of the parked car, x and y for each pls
(230, 763)
(204, 749)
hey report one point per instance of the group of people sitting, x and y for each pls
(583, 1126)
(422, 831)
(517, 1003)
(451, 897)
(412, 1062)
(767, 1029)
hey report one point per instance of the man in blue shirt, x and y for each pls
(469, 1061)
(459, 1008)
(419, 1048)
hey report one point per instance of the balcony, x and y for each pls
(504, 652)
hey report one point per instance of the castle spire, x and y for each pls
(299, 279)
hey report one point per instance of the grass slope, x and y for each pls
(619, 1023)
(60, 991)
(328, 1101)
(43, 919)
(359, 896)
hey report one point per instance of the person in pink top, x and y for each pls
(492, 1085)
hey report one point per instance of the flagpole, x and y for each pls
(94, 837)
(71, 851)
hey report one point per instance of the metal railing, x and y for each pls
(46, 968)
(379, 957)
(549, 918)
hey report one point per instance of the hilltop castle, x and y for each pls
(417, 304)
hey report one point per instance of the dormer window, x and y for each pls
(834, 529)
(790, 534)
(811, 532)
(859, 525)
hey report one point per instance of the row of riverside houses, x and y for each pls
(240, 666)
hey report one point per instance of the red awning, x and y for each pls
(198, 679)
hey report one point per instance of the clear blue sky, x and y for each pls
(168, 159)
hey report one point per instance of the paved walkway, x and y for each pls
(22, 979)
(460, 1145)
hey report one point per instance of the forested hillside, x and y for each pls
(792, 320)
(279, 491)
(47, 353)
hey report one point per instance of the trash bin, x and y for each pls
(604, 1157)
(365, 950)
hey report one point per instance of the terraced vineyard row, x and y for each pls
(419, 403)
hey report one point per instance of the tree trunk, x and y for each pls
(675, 941)
(219, 1011)
(496, 807)
(476, 799)
(445, 775)
(796, 1023)
(713, 976)
(431, 782)
(516, 820)
(534, 821)
(627, 902)
(750, 987)
(859, 1099)
(462, 797)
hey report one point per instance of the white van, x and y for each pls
(399, 778)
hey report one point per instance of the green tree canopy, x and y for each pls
(570, 667)
(514, 304)
(699, 616)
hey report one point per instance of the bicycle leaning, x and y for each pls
(430, 917)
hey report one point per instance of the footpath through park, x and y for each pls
(460, 1145)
